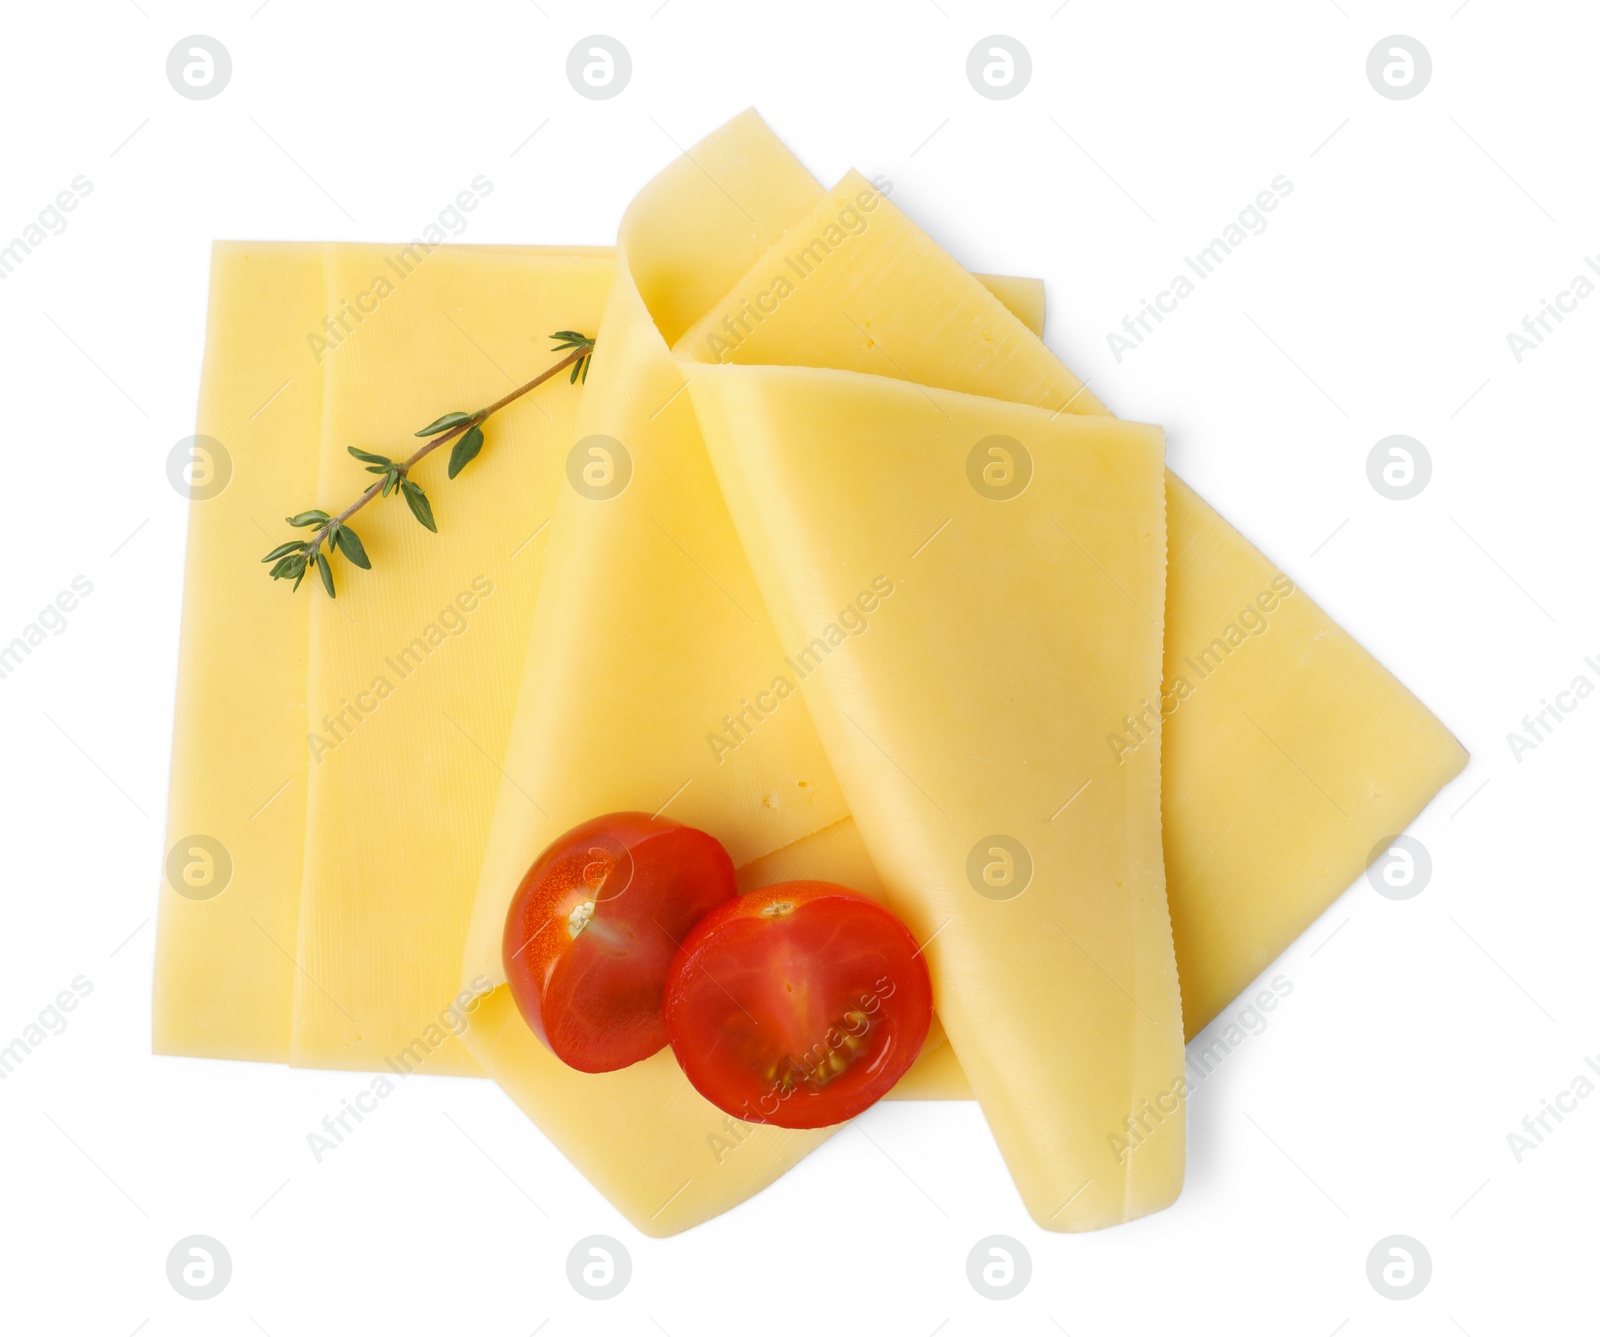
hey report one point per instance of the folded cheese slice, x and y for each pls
(898, 534)
(698, 189)
(1253, 745)
(653, 677)
(649, 641)
(650, 630)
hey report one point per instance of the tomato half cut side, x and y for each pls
(594, 926)
(798, 1004)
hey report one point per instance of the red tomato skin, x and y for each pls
(594, 997)
(720, 1009)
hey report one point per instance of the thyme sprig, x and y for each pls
(295, 559)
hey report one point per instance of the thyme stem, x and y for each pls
(444, 438)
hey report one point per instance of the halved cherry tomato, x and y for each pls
(798, 1004)
(594, 927)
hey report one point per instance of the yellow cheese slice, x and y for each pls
(1317, 793)
(620, 699)
(1022, 297)
(1291, 757)
(857, 286)
(620, 704)
(1037, 368)
(619, 696)
(229, 907)
(415, 667)
(1255, 847)
(631, 713)
(1014, 845)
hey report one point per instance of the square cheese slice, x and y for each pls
(414, 668)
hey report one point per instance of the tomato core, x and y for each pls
(798, 1004)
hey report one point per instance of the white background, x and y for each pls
(1419, 1032)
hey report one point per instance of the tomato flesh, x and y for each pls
(594, 926)
(799, 1004)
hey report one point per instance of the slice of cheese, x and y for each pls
(225, 974)
(644, 1137)
(628, 709)
(648, 631)
(415, 667)
(649, 639)
(1373, 755)
(858, 287)
(1316, 793)
(1292, 757)
(659, 213)
(1255, 849)
(969, 737)
(621, 705)
(1022, 297)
